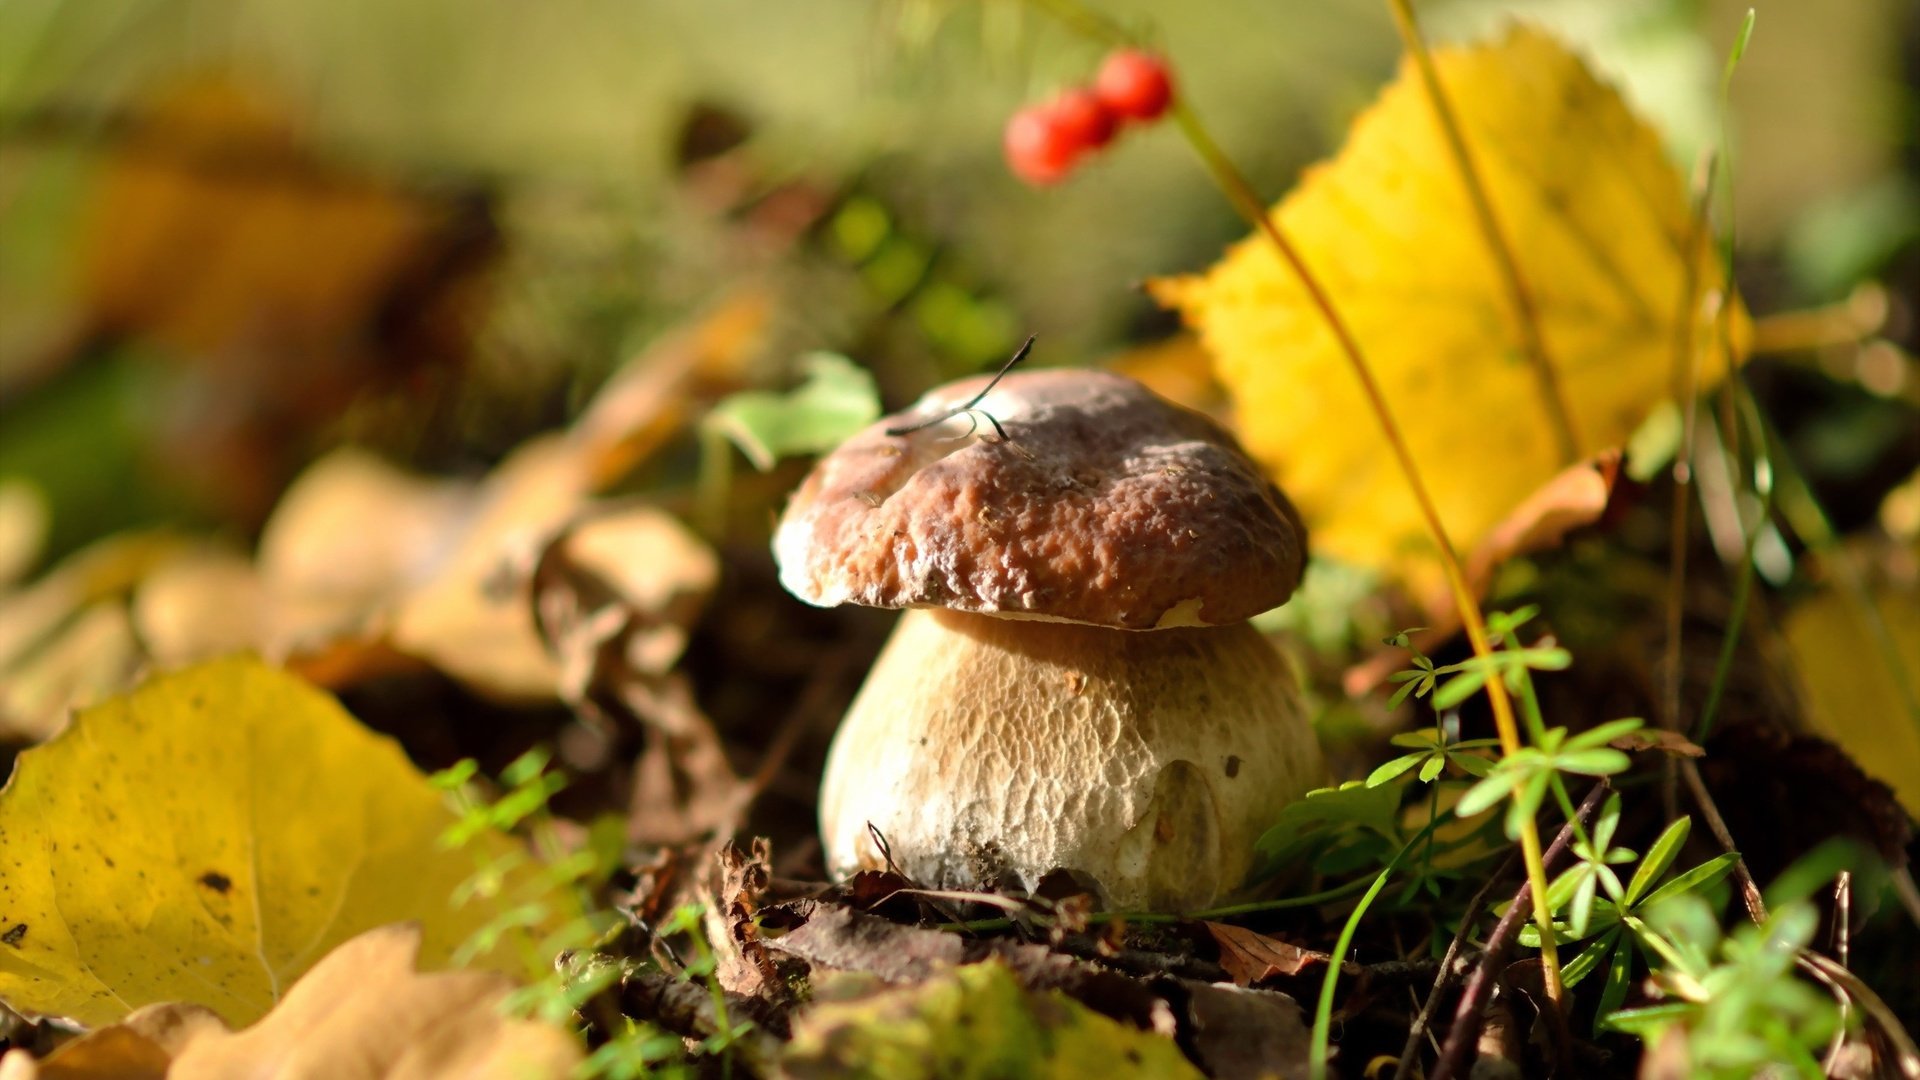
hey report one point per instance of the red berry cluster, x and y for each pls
(1044, 142)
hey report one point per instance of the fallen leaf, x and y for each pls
(202, 603)
(1601, 227)
(141, 1047)
(458, 620)
(970, 1021)
(281, 285)
(24, 519)
(114, 1053)
(327, 575)
(1857, 684)
(616, 593)
(656, 392)
(1178, 369)
(1240, 1034)
(1251, 957)
(66, 639)
(207, 838)
(91, 657)
(835, 938)
(1577, 496)
(1670, 743)
(364, 1013)
(744, 967)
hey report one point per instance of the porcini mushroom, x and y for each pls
(1075, 686)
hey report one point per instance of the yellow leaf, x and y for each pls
(207, 838)
(1601, 227)
(1851, 687)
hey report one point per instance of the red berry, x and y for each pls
(1134, 84)
(1039, 148)
(1086, 122)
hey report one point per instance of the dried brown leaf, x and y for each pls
(1251, 957)
(1670, 743)
(365, 1013)
(1240, 1034)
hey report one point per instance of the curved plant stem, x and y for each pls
(1241, 194)
(1526, 313)
(1743, 579)
(1323, 1009)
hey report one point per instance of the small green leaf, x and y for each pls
(1582, 908)
(1580, 966)
(1643, 1022)
(1459, 688)
(1707, 873)
(1431, 769)
(1375, 809)
(1472, 764)
(1659, 857)
(1619, 978)
(1592, 762)
(1394, 769)
(1526, 802)
(1498, 785)
(836, 400)
(1603, 734)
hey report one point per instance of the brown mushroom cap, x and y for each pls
(1105, 504)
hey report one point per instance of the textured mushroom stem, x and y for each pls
(990, 751)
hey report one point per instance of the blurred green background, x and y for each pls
(464, 215)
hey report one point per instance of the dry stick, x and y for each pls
(1241, 194)
(1447, 973)
(1749, 891)
(1466, 1015)
(1841, 945)
(1526, 313)
(1906, 1054)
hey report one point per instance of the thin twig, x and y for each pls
(1448, 971)
(1906, 1054)
(969, 408)
(1466, 1016)
(1841, 944)
(1702, 798)
(686, 1007)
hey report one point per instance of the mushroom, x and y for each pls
(1075, 685)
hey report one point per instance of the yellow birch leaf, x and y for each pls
(1602, 229)
(207, 838)
(1856, 683)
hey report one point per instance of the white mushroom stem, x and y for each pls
(989, 751)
